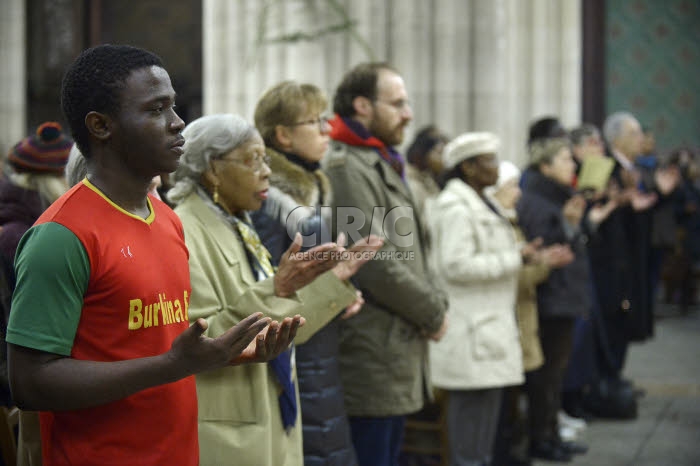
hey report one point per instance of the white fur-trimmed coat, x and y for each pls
(477, 259)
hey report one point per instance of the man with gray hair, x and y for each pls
(625, 138)
(644, 188)
(620, 253)
(586, 141)
(623, 133)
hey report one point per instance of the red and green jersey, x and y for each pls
(97, 283)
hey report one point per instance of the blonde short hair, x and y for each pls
(284, 104)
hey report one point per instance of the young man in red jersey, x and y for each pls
(98, 336)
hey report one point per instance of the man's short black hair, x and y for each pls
(361, 81)
(418, 151)
(545, 128)
(93, 83)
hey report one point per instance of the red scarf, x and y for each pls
(342, 131)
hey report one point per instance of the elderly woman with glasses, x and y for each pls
(248, 415)
(290, 118)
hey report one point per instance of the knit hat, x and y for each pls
(506, 171)
(46, 151)
(469, 145)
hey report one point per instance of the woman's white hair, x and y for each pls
(206, 138)
(76, 168)
(50, 186)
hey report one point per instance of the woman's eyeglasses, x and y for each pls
(321, 121)
(254, 163)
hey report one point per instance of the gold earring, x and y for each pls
(215, 196)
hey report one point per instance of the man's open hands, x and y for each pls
(272, 341)
(254, 339)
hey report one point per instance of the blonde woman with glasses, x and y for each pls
(292, 121)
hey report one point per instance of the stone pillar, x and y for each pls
(572, 62)
(13, 81)
(491, 65)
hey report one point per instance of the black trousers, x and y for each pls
(544, 385)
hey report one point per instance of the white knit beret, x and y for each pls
(469, 145)
(507, 171)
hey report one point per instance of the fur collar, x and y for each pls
(304, 187)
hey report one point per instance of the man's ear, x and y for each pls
(283, 137)
(362, 105)
(99, 125)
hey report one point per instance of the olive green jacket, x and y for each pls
(384, 349)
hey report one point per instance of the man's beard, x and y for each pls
(389, 136)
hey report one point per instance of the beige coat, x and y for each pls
(526, 310)
(477, 257)
(239, 416)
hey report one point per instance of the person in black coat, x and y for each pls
(549, 210)
(683, 263)
(628, 235)
(592, 357)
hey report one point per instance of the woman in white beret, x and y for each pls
(476, 256)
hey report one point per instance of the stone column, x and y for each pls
(13, 81)
(491, 65)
